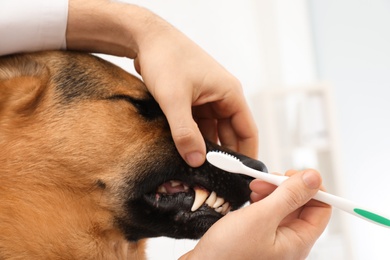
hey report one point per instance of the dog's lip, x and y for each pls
(202, 196)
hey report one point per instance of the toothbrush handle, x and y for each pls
(338, 202)
(335, 201)
(352, 208)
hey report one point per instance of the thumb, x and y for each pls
(294, 193)
(185, 132)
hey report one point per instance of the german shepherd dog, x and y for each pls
(89, 169)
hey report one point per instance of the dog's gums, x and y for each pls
(188, 201)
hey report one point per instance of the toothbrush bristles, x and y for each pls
(228, 154)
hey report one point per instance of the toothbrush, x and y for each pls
(230, 163)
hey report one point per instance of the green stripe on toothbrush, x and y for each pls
(372, 216)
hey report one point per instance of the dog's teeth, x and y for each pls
(175, 183)
(211, 199)
(219, 210)
(162, 189)
(185, 187)
(200, 196)
(228, 210)
(225, 208)
(218, 202)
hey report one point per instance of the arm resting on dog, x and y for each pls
(208, 99)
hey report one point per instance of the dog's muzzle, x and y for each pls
(183, 202)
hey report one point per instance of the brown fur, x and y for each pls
(83, 148)
(47, 209)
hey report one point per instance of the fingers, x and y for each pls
(267, 226)
(260, 189)
(137, 66)
(208, 128)
(246, 131)
(229, 120)
(290, 206)
(239, 134)
(315, 213)
(191, 88)
(293, 193)
(185, 132)
(226, 120)
(237, 129)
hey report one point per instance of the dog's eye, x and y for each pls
(147, 107)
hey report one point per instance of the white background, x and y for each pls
(352, 41)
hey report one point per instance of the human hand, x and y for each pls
(281, 223)
(196, 94)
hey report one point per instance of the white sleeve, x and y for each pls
(32, 25)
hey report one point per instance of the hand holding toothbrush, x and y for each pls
(281, 222)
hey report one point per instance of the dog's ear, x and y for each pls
(22, 83)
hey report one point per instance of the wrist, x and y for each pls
(104, 26)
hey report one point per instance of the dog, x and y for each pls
(89, 169)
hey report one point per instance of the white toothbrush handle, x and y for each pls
(270, 178)
(353, 208)
(338, 202)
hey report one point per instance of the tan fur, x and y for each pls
(45, 212)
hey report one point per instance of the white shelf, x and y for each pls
(297, 130)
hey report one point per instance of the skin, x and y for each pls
(208, 99)
(281, 223)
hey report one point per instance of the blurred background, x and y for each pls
(317, 77)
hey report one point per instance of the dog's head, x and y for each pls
(85, 147)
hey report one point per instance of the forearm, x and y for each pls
(110, 27)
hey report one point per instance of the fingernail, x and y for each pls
(195, 159)
(311, 179)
